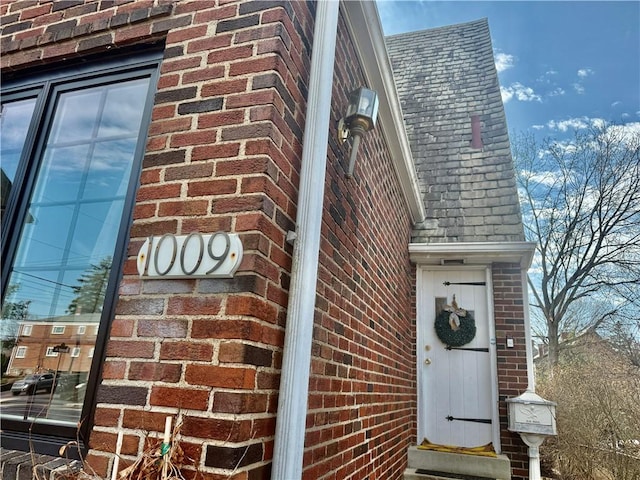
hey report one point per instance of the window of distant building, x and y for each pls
(26, 330)
(71, 143)
(51, 352)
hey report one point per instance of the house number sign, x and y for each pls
(195, 255)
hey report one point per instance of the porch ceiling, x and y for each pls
(472, 253)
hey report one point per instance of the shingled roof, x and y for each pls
(450, 96)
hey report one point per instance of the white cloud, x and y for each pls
(520, 92)
(537, 127)
(578, 88)
(556, 92)
(577, 123)
(625, 115)
(616, 103)
(504, 61)
(585, 72)
(506, 94)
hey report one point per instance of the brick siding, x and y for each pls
(512, 362)
(223, 153)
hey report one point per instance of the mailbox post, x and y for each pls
(534, 418)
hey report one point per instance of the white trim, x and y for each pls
(366, 31)
(473, 253)
(26, 330)
(50, 352)
(493, 349)
(21, 352)
(288, 447)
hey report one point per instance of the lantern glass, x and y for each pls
(362, 103)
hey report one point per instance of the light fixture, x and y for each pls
(361, 116)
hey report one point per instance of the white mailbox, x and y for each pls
(530, 413)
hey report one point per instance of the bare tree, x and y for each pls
(581, 205)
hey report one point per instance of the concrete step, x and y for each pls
(498, 468)
(414, 474)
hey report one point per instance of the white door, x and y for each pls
(455, 387)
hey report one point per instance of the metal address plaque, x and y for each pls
(197, 255)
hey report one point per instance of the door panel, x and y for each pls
(454, 383)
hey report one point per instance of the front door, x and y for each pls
(455, 381)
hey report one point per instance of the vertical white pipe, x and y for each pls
(531, 373)
(296, 361)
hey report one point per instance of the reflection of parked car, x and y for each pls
(32, 383)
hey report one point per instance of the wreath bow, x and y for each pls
(455, 326)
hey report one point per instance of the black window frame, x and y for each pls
(45, 87)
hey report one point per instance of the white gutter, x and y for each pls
(296, 360)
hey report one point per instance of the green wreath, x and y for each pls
(455, 338)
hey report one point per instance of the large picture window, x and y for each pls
(71, 147)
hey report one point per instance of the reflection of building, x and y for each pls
(35, 348)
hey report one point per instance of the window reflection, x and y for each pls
(61, 269)
(14, 123)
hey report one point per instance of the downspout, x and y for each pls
(296, 359)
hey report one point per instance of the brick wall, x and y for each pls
(362, 403)
(512, 362)
(223, 153)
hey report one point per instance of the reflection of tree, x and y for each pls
(91, 291)
(12, 314)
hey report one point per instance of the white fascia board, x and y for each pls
(366, 30)
(472, 253)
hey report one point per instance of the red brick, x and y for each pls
(106, 417)
(222, 377)
(194, 305)
(224, 87)
(144, 211)
(130, 349)
(170, 126)
(165, 328)
(180, 64)
(209, 43)
(227, 430)
(183, 208)
(202, 74)
(168, 81)
(186, 350)
(232, 53)
(219, 150)
(210, 15)
(144, 420)
(158, 192)
(217, 119)
(232, 402)
(166, 111)
(198, 171)
(28, 13)
(155, 372)
(183, 398)
(113, 370)
(226, 329)
(177, 36)
(251, 306)
(212, 187)
(121, 328)
(201, 137)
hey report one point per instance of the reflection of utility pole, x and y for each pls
(59, 349)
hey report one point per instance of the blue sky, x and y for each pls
(562, 64)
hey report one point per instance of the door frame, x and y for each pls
(421, 353)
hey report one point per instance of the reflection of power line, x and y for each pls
(44, 279)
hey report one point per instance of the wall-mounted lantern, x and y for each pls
(360, 117)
